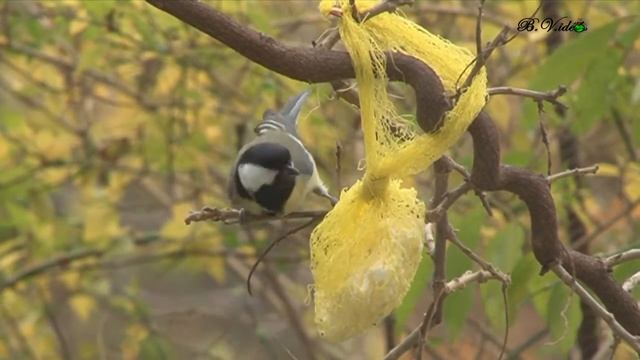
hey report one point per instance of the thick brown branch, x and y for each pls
(533, 189)
(313, 65)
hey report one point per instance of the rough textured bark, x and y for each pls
(588, 331)
(317, 65)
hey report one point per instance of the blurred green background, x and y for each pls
(116, 120)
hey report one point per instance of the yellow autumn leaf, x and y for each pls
(55, 175)
(7, 261)
(4, 354)
(208, 239)
(28, 326)
(122, 123)
(54, 145)
(4, 148)
(606, 169)
(170, 76)
(100, 223)
(216, 264)
(175, 228)
(213, 133)
(632, 181)
(624, 352)
(10, 298)
(83, 305)
(44, 233)
(135, 334)
(216, 268)
(70, 279)
(222, 350)
(118, 182)
(234, 7)
(246, 250)
(630, 177)
(77, 26)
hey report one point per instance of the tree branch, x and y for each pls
(539, 96)
(613, 260)
(618, 329)
(313, 65)
(631, 282)
(573, 172)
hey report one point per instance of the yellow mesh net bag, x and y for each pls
(366, 251)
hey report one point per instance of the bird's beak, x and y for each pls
(289, 169)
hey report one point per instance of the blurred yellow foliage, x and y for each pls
(83, 305)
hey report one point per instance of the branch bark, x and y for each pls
(312, 65)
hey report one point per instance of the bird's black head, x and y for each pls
(270, 156)
(266, 175)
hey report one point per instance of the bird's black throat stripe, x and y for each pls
(273, 197)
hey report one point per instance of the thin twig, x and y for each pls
(467, 177)
(479, 29)
(587, 298)
(484, 330)
(539, 96)
(450, 198)
(442, 169)
(451, 286)
(515, 353)
(500, 40)
(624, 133)
(58, 261)
(605, 226)
(613, 260)
(545, 138)
(573, 172)
(136, 260)
(234, 216)
(271, 246)
(421, 332)
(468, 277)
(463, 11)
(389, 331)
(382, 7)
(485, 265)
(407, 343)
(338, 167)
(25, 348)
(62, 342)
(498, 274)
(291, 312)
(631, 282)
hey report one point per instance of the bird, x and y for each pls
(274, 173)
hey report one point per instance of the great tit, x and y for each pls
(275, 172)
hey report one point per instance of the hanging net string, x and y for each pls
(366, 251)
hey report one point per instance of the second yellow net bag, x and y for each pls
(366, 251)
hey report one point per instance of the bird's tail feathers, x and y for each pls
(287, 118)
(291, 109)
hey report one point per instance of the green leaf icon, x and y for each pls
(579, 27)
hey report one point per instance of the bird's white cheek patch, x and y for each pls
(253, 176)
